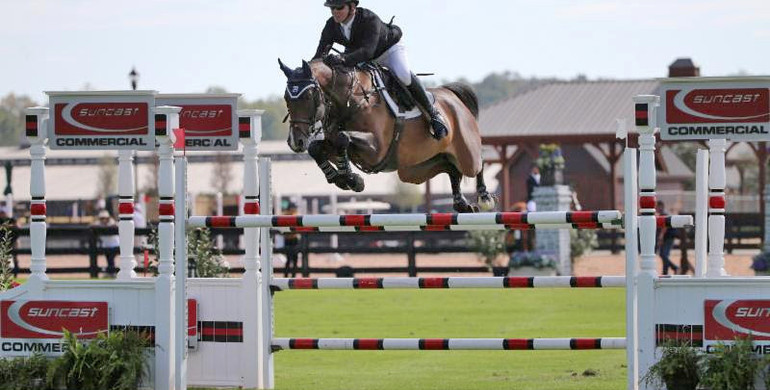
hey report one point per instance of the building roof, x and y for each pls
(565, 110)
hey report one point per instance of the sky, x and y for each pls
(186, 46)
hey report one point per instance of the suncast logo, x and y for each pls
(101, 119)
(727, 318)
(46, 319)
(735, 105)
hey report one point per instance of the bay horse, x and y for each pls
(338, 114)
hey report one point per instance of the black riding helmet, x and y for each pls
(338, 3)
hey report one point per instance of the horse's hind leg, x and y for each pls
(485, 201)
(460, 204)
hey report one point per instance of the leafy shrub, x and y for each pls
(24, 373)
(201, 253)
(114, 361)
(488, 244)
(531, 259)
(732, 367)
(6, 266)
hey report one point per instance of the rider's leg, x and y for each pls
(395, 59)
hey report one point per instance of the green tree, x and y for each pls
(12, 118)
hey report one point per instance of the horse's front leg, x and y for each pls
(321, 151)
(341, 145)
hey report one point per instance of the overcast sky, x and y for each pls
(182, 46)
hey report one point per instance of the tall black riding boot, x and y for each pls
(435, 119)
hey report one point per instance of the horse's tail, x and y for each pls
(466, 95)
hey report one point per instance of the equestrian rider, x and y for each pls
(367, 38)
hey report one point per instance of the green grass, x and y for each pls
(450, 313)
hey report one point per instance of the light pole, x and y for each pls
(133, 76)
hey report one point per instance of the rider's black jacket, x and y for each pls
(369, 38)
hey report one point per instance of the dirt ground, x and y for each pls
(594, 264)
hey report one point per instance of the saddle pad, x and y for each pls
(392, 105)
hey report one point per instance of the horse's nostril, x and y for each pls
(300, 143)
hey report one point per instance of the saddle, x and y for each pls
(394, 93)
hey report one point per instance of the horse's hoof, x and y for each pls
(486, 202)
(355, 182)
(462, 206)
(341, 182)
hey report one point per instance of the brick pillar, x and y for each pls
(555, 242)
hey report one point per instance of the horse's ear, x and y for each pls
(286, 70)
(306, 68)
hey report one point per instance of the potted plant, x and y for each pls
(531, 264)
(733, 367)
(679, 367)
(488, 245)
(551, 165)
(761, 264)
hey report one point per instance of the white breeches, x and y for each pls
(395, 59)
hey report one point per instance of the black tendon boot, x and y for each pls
(420, 96)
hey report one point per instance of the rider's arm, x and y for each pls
(370, 35)
(327, 40)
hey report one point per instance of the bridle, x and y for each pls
(295, 89)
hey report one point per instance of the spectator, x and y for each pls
(533, 180)
(109, 243)
(665, 241)
(291, 245)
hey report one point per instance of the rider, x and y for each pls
(367, 38)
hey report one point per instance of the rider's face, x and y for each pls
(342, 14)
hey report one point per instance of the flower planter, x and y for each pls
(761, 273)
(531, 271)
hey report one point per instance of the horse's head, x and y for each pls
(304, 100)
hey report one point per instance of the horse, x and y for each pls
(339, 113)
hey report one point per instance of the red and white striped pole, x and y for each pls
(590, 218)
(434, 344)
(450, 282)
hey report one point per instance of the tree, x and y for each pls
(12, 118)
(223, 173)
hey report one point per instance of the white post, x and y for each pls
(166, 119)
(701, 210)
(250, 129)
(266, 377)
(37, 133)
(180, 255)
(631, 234)
(645, 108)
(127, 262)
(716, 208)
